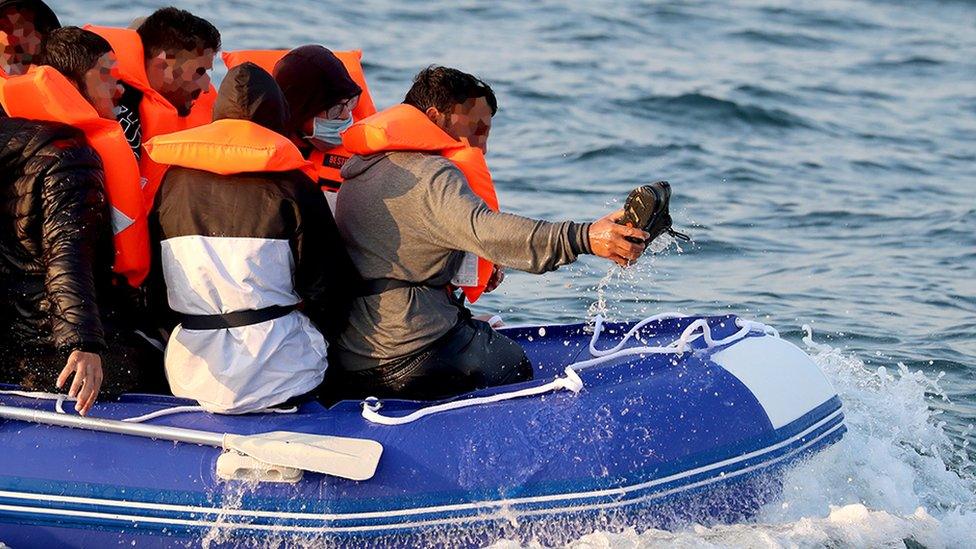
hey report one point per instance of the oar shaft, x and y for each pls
(111, 426)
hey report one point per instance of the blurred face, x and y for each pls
(20, 42)
(102, 86)
(181, 76)
(470, 121)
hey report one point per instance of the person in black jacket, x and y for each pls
(55, 266)
(252, 259)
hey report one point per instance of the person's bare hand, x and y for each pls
(495, 280)
(609, 240)
(87, 368)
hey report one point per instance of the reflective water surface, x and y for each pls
(822, 156)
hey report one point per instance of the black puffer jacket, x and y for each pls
(53, 222)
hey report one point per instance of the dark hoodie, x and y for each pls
(275, 205)
(249, 93)
(313, 80)
(250, 242)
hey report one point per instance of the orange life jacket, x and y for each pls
(157, 115)
(227, 147)
(405, 128)
(44, 94)
(328, 163)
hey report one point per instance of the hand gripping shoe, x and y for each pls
(647, 208)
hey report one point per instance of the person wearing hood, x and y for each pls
(321, 98)
(251, 257)
(24, 24)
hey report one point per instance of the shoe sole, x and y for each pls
(643, 206)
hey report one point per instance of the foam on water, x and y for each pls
(896, 476)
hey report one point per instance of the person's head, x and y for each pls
(87, 61)
(321, 95)
(24, 24)
(249, 93)
(460, 104)
(179, 49)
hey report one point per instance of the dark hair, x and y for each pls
(73, 52)
(172, 29)
(45, 20)
(443, 88)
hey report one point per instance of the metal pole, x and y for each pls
(112, 426)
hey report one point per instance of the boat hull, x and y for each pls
(658, 440)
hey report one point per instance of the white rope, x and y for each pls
(371, 406)
(163, 412)
(698, 329)
(187, 409)
(60, 399)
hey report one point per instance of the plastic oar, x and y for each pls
(352, 458)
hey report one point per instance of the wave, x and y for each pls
(759, 92)
(912, 62)
(898, 479)
(792, 40)
(811, 19)
(706, 107)
(636, 151)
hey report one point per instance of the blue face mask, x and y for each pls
(327, 134)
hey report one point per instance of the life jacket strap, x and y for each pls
(235, 319)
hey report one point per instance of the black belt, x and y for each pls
(330, 185)
(235, 319)
(380, 285)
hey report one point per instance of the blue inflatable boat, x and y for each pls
(655, 424)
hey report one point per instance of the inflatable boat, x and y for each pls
(660, 423)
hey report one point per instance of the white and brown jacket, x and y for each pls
(254, 267)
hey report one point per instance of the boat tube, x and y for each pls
(656, 424)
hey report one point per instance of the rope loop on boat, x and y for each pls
(60, 398)
(698, 329)
(371, 406)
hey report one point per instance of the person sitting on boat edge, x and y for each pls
(66, 191)
(251, 257)
(24, 24)
(417, 211)
(165, 68)
(321, 97)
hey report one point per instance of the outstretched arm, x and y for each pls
(462, 221)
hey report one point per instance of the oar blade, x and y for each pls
(352, 458)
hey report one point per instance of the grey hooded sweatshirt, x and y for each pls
(411, 216)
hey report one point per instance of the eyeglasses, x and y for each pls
(343, 109)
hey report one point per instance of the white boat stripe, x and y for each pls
(620, 491)
(417, 524)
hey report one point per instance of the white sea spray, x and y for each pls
(231, 498)
(635, 278)
(896, 479)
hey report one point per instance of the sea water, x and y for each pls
(822, 157)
